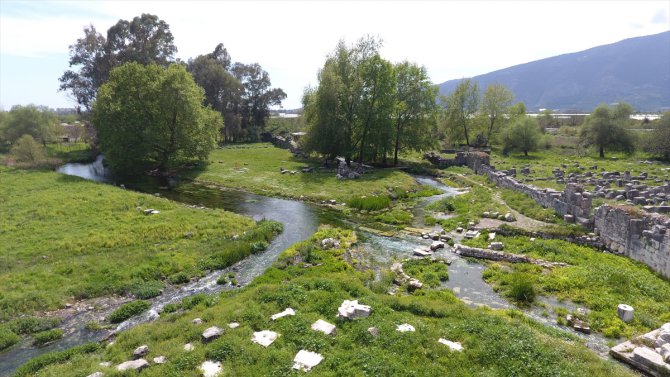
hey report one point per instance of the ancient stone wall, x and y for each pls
(640, 236)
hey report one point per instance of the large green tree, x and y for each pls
(414, 109)
(153, 117)
(461, 109)
(658, 142)
(145, 39)
(607, 128)
(36, 121)
(366, 108)
(523, 135)
(495, 106)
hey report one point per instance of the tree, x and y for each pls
(495, 106)
(153, 117)
(658, 142)
(26, 149)
(145, 39)
(523, 135)
(414, 108)
(36, 121)
(461, 107)
(607, 128)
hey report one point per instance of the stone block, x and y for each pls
(287, 311)
(264, 337)
(211, 333)
(625, 312)
(136, 365)
(324, 327)
(306, 360)
(353, 310)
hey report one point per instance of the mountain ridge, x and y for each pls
(634, 70)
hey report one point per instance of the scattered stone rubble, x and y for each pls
(475, 252)
(649, 353)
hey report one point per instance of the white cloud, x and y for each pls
(290, 39)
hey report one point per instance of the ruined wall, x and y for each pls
(474, 160)
(637, 235)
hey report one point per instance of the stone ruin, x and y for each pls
(649, 353)
(473, 160)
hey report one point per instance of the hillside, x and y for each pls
(635, 70)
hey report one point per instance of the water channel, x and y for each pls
(300, 221)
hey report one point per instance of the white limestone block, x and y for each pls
(405, 328)
(454, 346)
(265, 337)
(210, 368)
(306, 360)
(324, 327)
(286, 312)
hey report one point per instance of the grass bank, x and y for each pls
(595, 280)
(63, 238)
(495, 343)
(256, 168)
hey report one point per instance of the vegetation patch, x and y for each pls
(395, 216)
(63, 236)
(525, 205)
(496, 343)
(593, 279)
(426, 271)
(7, 338)
(44, 337)
(128, 310)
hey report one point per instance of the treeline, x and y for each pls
(240, 92)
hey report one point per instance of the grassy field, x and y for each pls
(542, 163)
(255, 168)
(595, 280)
(495, 343)
(63, 238)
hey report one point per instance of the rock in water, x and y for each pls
(306, 360)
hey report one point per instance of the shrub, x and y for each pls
(222, 280)
(48, 336)
(369, 203)
(521, 288)
(179, 278)
(7, 338)
(128, 310)
(26, 149)
(259, 246)
(30, 325)
(146, 289)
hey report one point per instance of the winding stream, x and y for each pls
(300, 221)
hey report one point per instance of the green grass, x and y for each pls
(525, 205)
(255, 168)
(495, 343)
(369, 203)
(426, 271)
(64, 238)
(128, 310)
(44, 337)
(395, 216)
(596, 280)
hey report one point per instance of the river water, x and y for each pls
(300, 221)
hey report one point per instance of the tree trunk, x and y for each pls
(525, 153)
(397, 146)
(602, 152)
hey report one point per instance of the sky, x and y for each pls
(291, 39)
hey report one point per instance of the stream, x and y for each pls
(300, 221)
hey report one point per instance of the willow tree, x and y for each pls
(153, 117)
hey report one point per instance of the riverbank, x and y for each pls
(66, 240)
(313, 279)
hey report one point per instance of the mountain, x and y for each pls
(635, 70)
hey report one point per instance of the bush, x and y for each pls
(369, 203)
(48, 336)
(26, 149)
(128, 310)
(222, 280)
(521, 288)
(146, 289)
(7, 338)
(259, 246)
(30, 325)
(179, 278)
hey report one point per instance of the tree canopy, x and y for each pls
(607, 128)
(367, 108)
(522, 135)
(153, 117)
(37, 121)
(145, 39)
(658, 142)
(241, 93)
